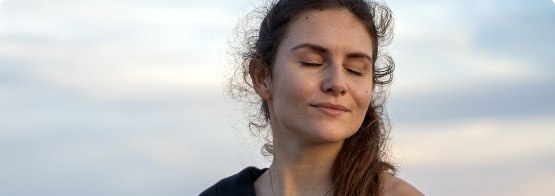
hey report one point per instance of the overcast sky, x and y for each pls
(125, 97)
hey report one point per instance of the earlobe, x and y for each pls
(260, 79)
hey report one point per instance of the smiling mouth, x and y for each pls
(331, 109)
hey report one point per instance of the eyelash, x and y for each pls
(311, 64)
(319, 64)
(355, 72)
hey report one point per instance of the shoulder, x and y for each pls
(238, 184)
(394, 186)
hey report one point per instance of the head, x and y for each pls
(262, 49)
(361, 156)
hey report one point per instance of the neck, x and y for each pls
(303, 168)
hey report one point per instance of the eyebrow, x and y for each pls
(321, 49)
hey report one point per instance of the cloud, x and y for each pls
(461, 144)
(129, 50)
(498, 151)
(470, 59)
(455, 41)
(475, 99)
(148, 147)
(123, 97)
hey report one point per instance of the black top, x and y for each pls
(241, 183)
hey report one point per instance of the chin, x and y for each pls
(330, 135)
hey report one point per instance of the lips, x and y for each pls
(331, 109)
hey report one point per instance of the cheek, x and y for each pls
(364, 95)
(295, 91)
(289, 89)
(295, 85)
(363, 99)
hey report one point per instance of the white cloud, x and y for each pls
(430, 153)
(123, 52)
(475, 142)
(437, 47)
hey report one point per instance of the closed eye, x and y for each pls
(311, 64)
(357, 73)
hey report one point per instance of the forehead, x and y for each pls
(335, 29)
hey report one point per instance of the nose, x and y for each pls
(334, 82)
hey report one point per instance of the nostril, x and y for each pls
(335, 91)
(334, 82)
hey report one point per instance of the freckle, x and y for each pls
(307, 17)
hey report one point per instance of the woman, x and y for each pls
(314, 65)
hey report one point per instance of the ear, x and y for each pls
(260, 78)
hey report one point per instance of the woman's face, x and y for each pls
(321, 83)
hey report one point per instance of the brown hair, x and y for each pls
(360, 164)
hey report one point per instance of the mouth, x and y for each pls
(331, 109)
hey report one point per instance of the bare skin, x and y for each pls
(394, 186)
(317, 95)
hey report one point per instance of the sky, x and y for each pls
(126, 97)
